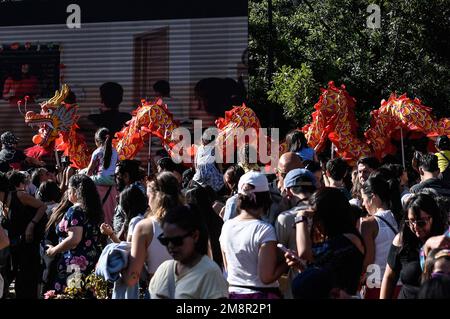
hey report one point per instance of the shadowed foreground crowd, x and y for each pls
(316, 228)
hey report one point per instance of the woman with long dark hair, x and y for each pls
(327, 239)
(199, 196)
(422, 220)
(379, 228)
(231, 179)
(296, 142)
(51, 238)
(134, 204)
(80, 242)
(163, 194)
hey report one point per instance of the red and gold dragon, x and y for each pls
(57, 124)
(154, 118)
(149, 118)
(334, 118)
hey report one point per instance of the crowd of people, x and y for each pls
(313, 229)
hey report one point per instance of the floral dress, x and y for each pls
(83, 257)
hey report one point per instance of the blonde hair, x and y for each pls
(166, 194)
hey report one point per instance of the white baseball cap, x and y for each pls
(256, 179)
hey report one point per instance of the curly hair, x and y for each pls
(88, 197)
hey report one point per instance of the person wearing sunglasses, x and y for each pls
(422, 220)
(192, 274)
(163, 194)
(287, 162)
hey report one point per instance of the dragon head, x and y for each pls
(55, 117)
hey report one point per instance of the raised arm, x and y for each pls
(303, 239)
(142, 237)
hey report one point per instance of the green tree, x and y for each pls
(317, 41)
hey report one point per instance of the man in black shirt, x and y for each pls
(429, 171)
(112, 95)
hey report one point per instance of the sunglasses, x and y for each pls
(176, 241)
(417, 223)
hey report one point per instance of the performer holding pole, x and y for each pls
(403, 148)
(149, 159)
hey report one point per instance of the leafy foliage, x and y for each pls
(314, 42)
(294, 88)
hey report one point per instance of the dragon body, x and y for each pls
(334, 119)
(149, 118)
(154, 118)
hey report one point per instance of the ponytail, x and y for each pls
(395, 204)
(388, 190)
(103, 137)
(108, 152)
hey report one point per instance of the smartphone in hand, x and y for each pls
(284, 249)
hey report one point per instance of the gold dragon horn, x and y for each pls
(59, 96)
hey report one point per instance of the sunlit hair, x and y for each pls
(166, 194)
(296, 141)
(387, 190)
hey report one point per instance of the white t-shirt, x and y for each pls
(97, 159)
(241, 240)
(203, 281)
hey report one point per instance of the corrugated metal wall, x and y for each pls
(101, 52)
